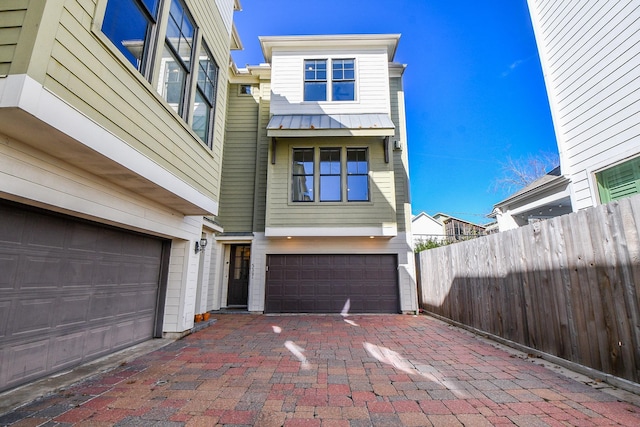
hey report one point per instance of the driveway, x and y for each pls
(383, 370)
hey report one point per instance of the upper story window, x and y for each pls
(341, 80)
(330, 173)
(130, 25)
(357, 175)
(302, 175)
(133, 27)
(333, 177)
(315, 80)
(204, 103)
(177, 57)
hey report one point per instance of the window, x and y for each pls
(330, 188)
(357, 175)
(343, 80)
(129, 24)
(245, 90)
(132, 26)
(203, 107)
(302, 182)
(315, 80)
(176, 57)
(619, 181)
(332, 174)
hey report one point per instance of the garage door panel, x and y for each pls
(32, 315)
(26, 360)
(369, 282)
(9, 268)
(66, 350)
(77, 273)
(98, 341)
(5, 309)
(123, 333)
(45, 231)
(40, 272)
(73, 310)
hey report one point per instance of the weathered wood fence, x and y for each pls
(568, 286)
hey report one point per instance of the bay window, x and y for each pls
(187, 71)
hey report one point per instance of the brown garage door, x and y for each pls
(70, 291)
(324, 283)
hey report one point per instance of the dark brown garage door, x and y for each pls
(70, 291)
(325, 283)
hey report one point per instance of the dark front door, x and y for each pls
(239, 275)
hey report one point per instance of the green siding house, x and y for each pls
(112, 116)
(316, 212)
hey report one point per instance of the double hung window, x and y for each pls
(177, 57)
(302, 171)
(341, 80)
(203, 108)
(315, 80)
(187, 75)
(337, 180)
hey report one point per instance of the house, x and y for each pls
(424, 227)
(443, 228)
(456, 229)
(589, 57)
(111, 135)
(547, 197)
(316, 214)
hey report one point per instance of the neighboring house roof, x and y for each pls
(550, 191)
(441, 217)
(331, 124)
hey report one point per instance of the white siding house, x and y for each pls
(590, 55)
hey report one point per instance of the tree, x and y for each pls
(518, 173)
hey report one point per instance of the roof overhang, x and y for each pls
(318, 125)
(348, 41)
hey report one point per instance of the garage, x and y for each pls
(71, 291)
(325, 283)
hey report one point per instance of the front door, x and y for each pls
(239, 275)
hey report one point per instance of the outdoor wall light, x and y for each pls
(201, 245)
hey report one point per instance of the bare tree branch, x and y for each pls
(518, 173)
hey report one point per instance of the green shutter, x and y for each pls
(620, 181)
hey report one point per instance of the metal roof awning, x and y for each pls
(309, 125)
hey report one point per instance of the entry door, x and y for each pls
(239, 275)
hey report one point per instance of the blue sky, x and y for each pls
(474, 89)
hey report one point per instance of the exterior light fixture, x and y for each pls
(201, 244)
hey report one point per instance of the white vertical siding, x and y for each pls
(590, 52)
(372, 83)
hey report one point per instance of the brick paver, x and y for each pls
(322, 371)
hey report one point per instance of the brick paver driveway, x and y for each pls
(389, 370)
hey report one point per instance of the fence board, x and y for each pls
(569, 286)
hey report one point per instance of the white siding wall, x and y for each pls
(590, 53)
(372, 83)
(226, 11)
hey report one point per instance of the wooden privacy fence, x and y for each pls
(568, 286)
